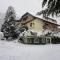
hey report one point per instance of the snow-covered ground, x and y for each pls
(12, 50)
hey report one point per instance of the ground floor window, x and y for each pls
(30, 40)
(44, 40)
(36, 41)
(48, 40)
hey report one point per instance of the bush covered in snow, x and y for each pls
(55, 40)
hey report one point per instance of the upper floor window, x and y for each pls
(31, 24)
(25, 18)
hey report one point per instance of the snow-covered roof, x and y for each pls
(46, 19)
(40, 17)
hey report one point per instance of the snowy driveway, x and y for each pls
(15, 51)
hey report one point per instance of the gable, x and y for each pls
(27, 18)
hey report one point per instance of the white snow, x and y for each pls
(1, 35)
(47, 31)
(57, 34)
(13, 50)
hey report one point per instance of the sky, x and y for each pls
(23, 6)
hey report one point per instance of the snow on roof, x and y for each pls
(47, 19)
(40, 17)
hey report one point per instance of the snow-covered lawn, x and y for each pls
(16, 51)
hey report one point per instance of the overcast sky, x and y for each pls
(22, 6)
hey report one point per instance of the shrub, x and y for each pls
(55, 40)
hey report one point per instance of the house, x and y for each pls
(38, 25)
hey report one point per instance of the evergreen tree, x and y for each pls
(8, 28)
(52, 8)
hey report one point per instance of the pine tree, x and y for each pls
(8, 28)
(52, 8)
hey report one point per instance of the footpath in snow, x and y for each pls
(11, 50)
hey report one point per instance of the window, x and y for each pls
(43, 40)
(30, 40)
(31, 24)
(36, 41)
(47, 40)
(25, 18)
